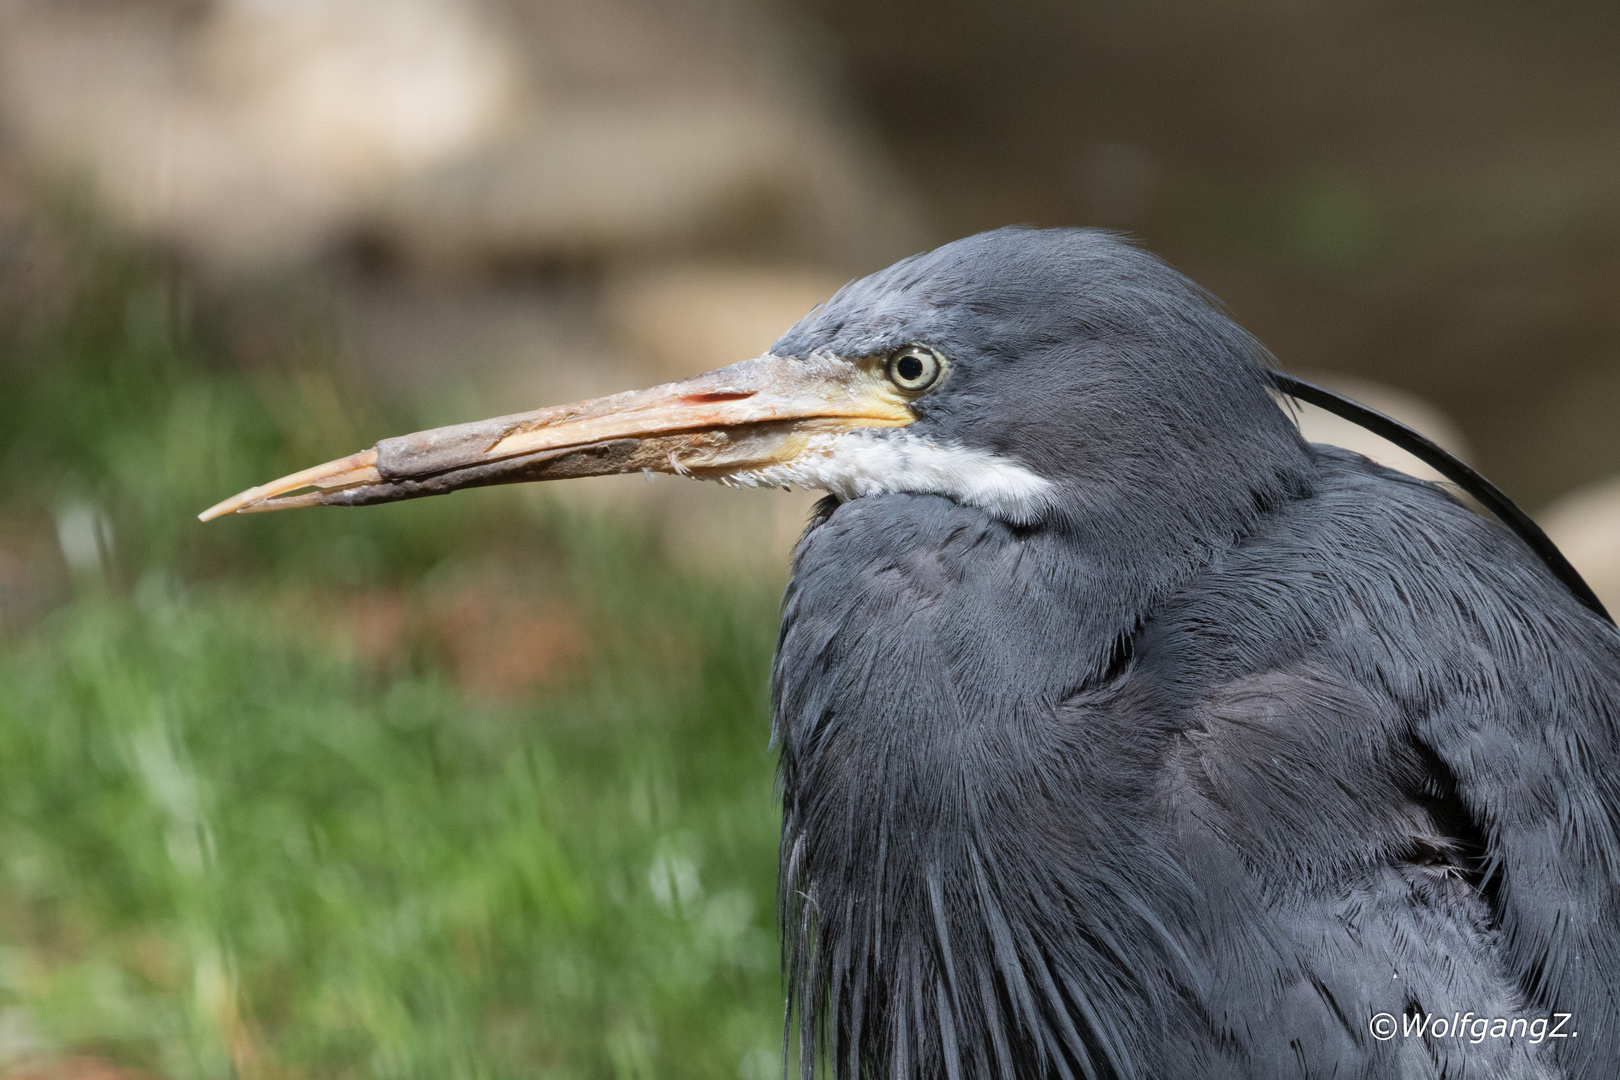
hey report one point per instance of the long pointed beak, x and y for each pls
(748, 416)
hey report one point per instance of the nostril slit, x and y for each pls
(711, 399)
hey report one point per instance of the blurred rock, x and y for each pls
(444, 132)
(595, 179)
(691, 317)
(522, 345)
(729, 534)
(1319, 425)
(247, 130)
(1586, 526)
(477, 350)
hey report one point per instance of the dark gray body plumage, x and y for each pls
(1244, 743)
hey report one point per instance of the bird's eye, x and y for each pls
(915, 368)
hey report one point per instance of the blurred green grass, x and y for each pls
(471, 787)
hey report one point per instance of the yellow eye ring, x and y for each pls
(915, 368)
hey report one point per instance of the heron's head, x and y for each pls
(1036, 374)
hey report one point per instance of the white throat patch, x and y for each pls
(856, 463)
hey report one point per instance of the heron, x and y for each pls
(1122, 732)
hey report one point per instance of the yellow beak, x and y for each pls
(748, 416)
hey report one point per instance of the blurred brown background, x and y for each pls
(502, 203)
(480, 787)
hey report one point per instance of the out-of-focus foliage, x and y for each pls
(464, 787)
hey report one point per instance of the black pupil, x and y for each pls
(909, 368)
